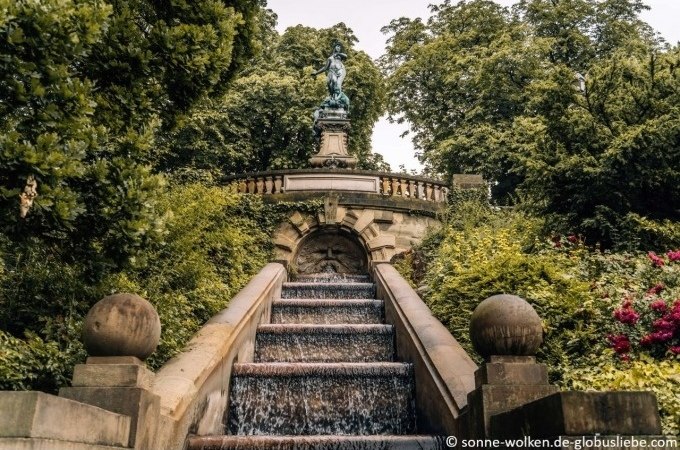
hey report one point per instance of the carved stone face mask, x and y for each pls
(331, 253)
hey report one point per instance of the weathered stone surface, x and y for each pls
(191, 385)
(112, 375)
(122, 325)
(49, 444)
(488, 400)
(40, 415)
(382, 241)
(114, 360)
(465, 181)
(364, 220)
(331, 182)
(505, 325)
(582, 413)
(444, 371)
(142, 407)
(515, 372)
(332, 252)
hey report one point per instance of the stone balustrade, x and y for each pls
(384, 184)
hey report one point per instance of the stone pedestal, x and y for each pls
(121, 385)
(333, 126)
(502, 384)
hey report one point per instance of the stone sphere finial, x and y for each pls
(122, 325)
(505, 325)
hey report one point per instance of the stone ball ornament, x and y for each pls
(505, 325)
(122, 325)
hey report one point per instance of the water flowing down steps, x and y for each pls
(324, 376)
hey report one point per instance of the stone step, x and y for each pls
(327, 311)
(329, 290)
(324, 343)
(332, 277)
(316, 443)
(321, 399)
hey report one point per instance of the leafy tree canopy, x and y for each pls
(265, 121)
(85, 86)
(572, 105)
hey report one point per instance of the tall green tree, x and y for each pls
(559, 101)
(85, 86)
(86, 89)
(265, 121)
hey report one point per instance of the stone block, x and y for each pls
(580, 414)
(142, 407)
(50, 444)
(384, 217)
(350, 218)
(320, 182)
(512, 373)
(114, 360)
(468, 181)
(364, 220)
(40, 415)
(489, 400)
(382, 241)
(284, 243)
(112, 375)
(299, 223)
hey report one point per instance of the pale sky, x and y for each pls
(366, 17)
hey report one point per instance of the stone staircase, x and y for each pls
(324, 376)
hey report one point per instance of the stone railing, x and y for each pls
(445, 373)
(385, 184)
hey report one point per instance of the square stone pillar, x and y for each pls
(502, 384)
(121, 384)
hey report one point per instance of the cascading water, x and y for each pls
(323, 376)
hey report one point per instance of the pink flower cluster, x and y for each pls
(658, 261)
(620, 343)
(664, 328)
(662, 323)
(673, 256)
(626, 314)
(656, 289)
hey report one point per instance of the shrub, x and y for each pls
(660, 377)
(215, 241)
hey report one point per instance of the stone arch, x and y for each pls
(362, 224)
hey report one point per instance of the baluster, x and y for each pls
(395, 187)
(278, 183)
(421, 190)
(437, 193)
(385, 182)
(241, 186)
(268, 185)
(428, 191)
(404, 187)
(259, 184)
(412, 189)
(251, 186)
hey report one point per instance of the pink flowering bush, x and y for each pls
(648, 320)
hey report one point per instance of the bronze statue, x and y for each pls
(335, 72)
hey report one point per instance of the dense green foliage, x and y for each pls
(88, 89)
(572, 104)
(601, 312)
(264, 122)
(215, 241)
